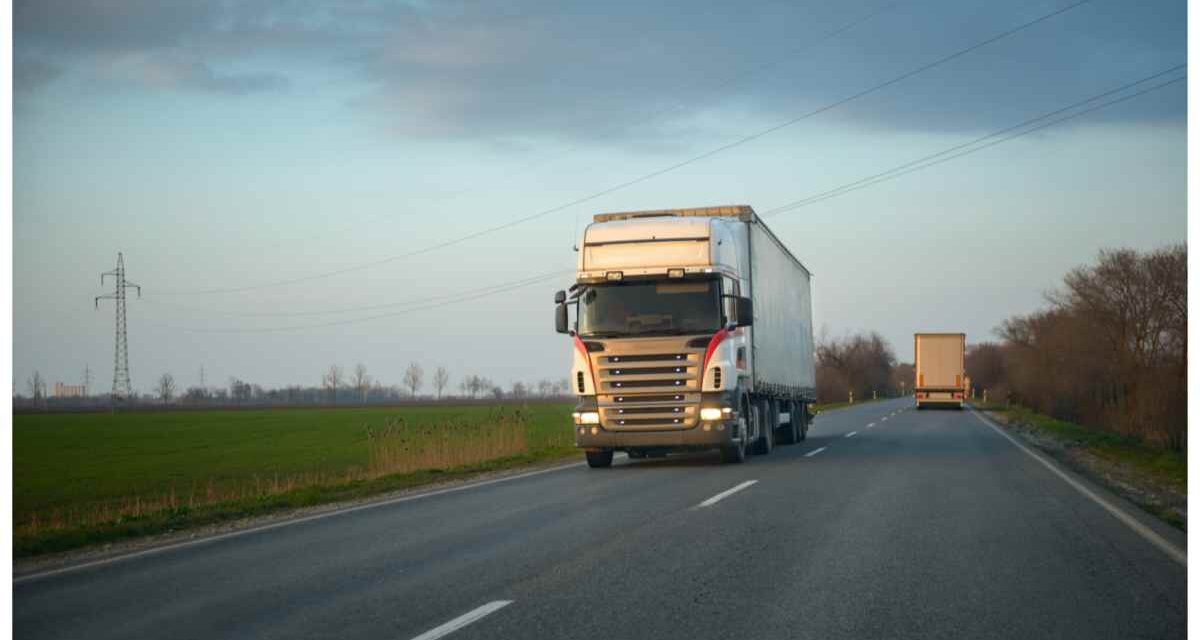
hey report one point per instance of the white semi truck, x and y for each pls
(940, 367)
(692, 329)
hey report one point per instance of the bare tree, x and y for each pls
(240, 390)
(441, 378)
(414, 377)
(37, 388)
(545, 388)
(1111, 350)
(332, 381)
(362, 381)
(519, 390)
(166, 387)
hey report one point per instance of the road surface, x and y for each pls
(886, 523)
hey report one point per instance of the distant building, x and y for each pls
(69, 390)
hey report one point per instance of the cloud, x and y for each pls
(171, 70)
(620, 71)
(31, 73)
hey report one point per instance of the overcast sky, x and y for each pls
(260, 146)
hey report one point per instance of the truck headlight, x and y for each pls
(712, 413)
(587, 417)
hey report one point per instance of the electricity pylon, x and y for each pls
(122, 388)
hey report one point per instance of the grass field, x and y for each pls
(85, 478)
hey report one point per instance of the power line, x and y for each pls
(333, 323)
(383, 305)
(729, 80)
(1000, 136)
(647, 176)
(915, 165)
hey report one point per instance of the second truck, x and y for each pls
(939, 363)
(692, 330)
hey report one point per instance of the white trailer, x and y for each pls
(692, 330)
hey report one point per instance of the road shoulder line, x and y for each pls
(1148, 534)
(174, 546)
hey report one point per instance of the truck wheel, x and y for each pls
(766, 429)
(599, 459)
(736, 452)
(791, 433)
(805, 421)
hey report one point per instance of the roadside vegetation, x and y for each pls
(1108, 352)
(87, 478)
(1098, 378)
(862, 366)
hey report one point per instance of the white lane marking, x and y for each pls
(870, 426)
(464, 620)
(725, 494)
(1147, 533)
(814, 452)
(851, 434)
(884, 419)
(285, 523)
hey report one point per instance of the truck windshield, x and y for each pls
(650, 308)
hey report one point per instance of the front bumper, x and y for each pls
(703, 435)
(718, 434)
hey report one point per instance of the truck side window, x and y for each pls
(729, 287)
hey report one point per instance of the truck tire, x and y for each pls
(789, 434)
(736, 452)
(599, 459)
(805, 422)
(766, 428)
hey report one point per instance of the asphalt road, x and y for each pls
(921, 524)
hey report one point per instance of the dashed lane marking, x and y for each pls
(726, 493)
(464, 620)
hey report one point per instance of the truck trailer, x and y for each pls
(940, 360)
(691, 330)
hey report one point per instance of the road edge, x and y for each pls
(1128, 517)
(38, 567)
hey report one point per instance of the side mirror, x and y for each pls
(560, 297)
(560, 318)
(743, 312)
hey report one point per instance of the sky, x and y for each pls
(300, 184)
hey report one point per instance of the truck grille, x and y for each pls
(648, 385)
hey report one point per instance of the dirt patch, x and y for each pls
(1152, 494)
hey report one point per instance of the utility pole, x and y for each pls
(122, 388)
(87, 380)
(202, 377)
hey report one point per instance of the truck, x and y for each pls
(939, 365)
(691, 329)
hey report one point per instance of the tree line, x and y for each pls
(862, 366)
(1108, 351)
(336, 387)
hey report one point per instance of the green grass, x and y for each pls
(1164, 466)
(68, 465)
